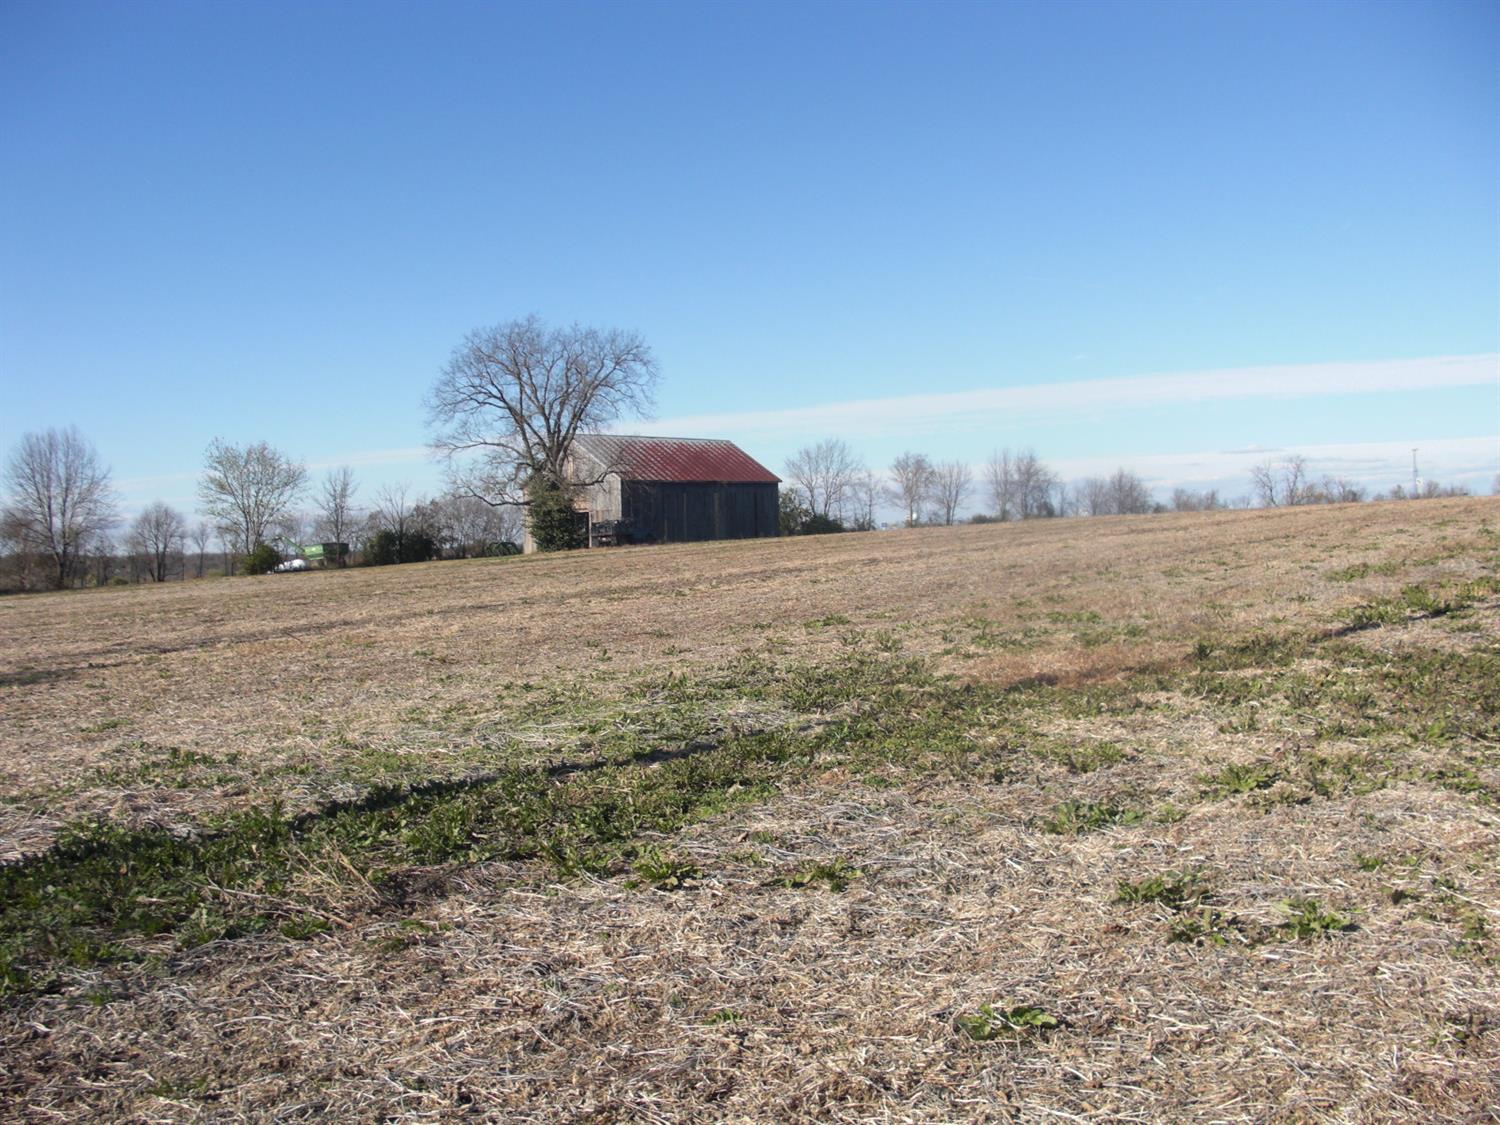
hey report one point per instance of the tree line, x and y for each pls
(61, 523)
(830, 488)
(504, 413)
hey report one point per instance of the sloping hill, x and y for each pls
(1160, 818)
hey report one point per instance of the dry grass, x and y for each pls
(501, 989)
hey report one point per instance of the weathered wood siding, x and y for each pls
(603, 499)
(688, 512)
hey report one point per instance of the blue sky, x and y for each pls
(275, 221)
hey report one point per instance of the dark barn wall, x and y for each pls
(678, 512)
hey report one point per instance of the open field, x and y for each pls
(1186, 817)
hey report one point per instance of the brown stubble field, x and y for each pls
(1216, 793)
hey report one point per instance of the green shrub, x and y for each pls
(555, 524)
(791, 515)
(820, 525)
(386, 547)
(264, 559)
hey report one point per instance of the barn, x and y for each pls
(670, 490)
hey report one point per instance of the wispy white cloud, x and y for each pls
(963, 410)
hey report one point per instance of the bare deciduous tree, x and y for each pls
(950, 487)
(1093, 496)
(1021, 486)
(1339, 490)
(1128, 494)
(1187, 500)
(470, 527)
(394, 512)
(911, 485)
(336, 514)
(202, 535)
(247, 490)
(999, 478)
(156, 533)
(825, 473)
(58, 498)
(1294, 487)
(1281, 483)
(1035, 486)
(101, 557)
(1263, 484)
(517, 395)
(864, 499)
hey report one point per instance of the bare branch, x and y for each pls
(950, 486)
(825, 473)
(247, 490)
(59, 498)
(911, 485)
(513, 397)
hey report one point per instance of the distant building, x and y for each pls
(670, 490)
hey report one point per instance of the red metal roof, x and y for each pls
(673, 459)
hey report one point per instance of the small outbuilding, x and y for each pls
(635, 489)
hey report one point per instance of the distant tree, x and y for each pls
(1186, 500)
(246, 490)
(20, 564)
(513, 398)
(1495, 485)
(1093, 497)
(1433, 490)
(821, 525)
(1294, 483)
(1035, 486)
(469, 527)
(1128, 494)
(864, 499)
(1000, 480)
(262, 559)
(1021, 486)
(58, 497)
(384, 549)
(1282, 483)
(950, 487)
(292, 529)
(792, 513)
(826, 474)
(100, 558)
(1263, 484)
(336, 514)
(201, 535)
(1335, 490)
(394, 512)
(156, 534)
(381, 548)
(912, 477)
